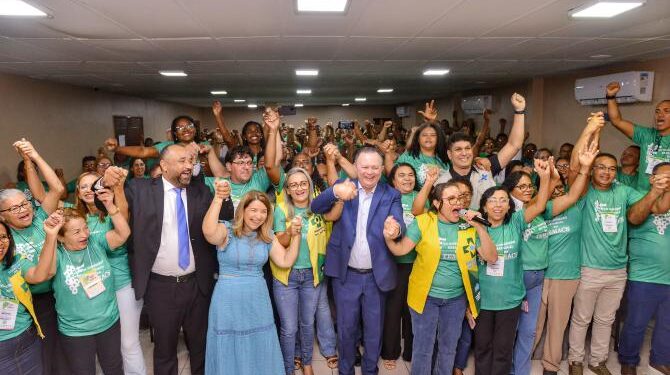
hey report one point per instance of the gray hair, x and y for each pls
(8, 193)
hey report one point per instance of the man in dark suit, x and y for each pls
(172, 264)
(358, 260)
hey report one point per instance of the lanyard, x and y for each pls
(82, 262)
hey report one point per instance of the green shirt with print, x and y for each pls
(649, 250)
(118, 258)
(259, 181)
(407, 200)
(605, 226)
(626, 179)
(23, 320)
(23, 186)
(302, 261)
(447, 281)
(565, 230)
(28, 245)
(501, 283)
(421, 165)
(535, 245)
(654, 149)
(79, 315)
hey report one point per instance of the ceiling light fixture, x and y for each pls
(219, 92)
(603, 56)
(384, 91)
(252, 106)
(345, 104)
(306, 72)
(360, 99)
(303, 91)
(435, 72)
(19, 8)
(604, 9)
(173, 73)
(239, 100)
(298, 105)
(322, 5)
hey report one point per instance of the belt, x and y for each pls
(172, 279)
(360, 270)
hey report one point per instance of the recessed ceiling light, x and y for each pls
(298, 105)
(384, 91)
(360, 99)
(303, 91)
(252, 105)
(19, 8)
(435, 72)
(604, 9)
(219, 92)
(322, 5)
(173, 73)
(306, 72)
(345, 104)
(239, 100)
(600, 56)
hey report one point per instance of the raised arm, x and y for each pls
(391, 233)
(516, 134)
(483, 134)
(271, 119)
(215, 232)
(429, 113)
(639, 211)
(586, 158)
(312, 134)
(345, 191)
(120, 231)
(139, 152)
(56, 188)
(590, 134)
(382, 134)
(285, 257)
(46, 266)
(624, 126)
(539, 205)
(228, 138)
(419, 204)
(120, 199)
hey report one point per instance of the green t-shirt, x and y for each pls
(407, 200)
(23, 186)
(605, 226)
(23, 319)
(649, 250)
(118, 258)
(501, 283)
(79, 315)
(535, 245)
(654, 149)
(565, 231)
(447, 281)
(421, 165)
(302, 261)
(259, 181)
(626, 179)
(28, 245)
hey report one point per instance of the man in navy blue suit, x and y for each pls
(357, 259)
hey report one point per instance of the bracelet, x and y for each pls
(583, 173)
(114, 213)
(610, 97)
(522, 112)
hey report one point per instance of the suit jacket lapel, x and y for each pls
(158, 195)
(354, 205)
(192, 199)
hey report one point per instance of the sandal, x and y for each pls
(331, 362)
(297, 363)
(389, 364)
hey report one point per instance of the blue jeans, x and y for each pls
(325, 332)
(21, 355)
(296, 304)
(525, 334)
(645, 301)
(463, 349)
(441, 319)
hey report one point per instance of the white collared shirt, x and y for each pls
(361, 257)
(167, 259)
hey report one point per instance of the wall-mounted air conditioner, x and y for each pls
(635, 87)
(473, 105)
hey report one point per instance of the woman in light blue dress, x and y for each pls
(241, 336)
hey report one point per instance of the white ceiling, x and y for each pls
(252, 47)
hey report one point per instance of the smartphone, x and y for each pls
(607, 116)
(347, 125)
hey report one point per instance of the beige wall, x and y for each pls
(66, 122)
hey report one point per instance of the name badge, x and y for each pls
(496, 269)
(92, 283)
(8, 310)
(609, 223)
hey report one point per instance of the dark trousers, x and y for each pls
(355, 298)
(172, 307)
(21, 355)
(646, 301)
(494, 341)
(397, 319)
(463, 348)
(81, 351)
(53, 359)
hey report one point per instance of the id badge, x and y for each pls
(92, 283)
(609, 223)
(496, 269)
(8, 310)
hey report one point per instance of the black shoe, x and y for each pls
(547, 372)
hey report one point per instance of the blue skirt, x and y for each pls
(241, 335)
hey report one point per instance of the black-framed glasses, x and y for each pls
(605, 168)
(453, 200)
(17, 208)
(525, 187)
(4, 238)
(241, 163)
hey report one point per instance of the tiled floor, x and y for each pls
(402, 368)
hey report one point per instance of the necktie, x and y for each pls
(182, 231)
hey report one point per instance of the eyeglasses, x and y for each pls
(298, 185)
(453, 200)
(104, 165)
(18, 208)
(184, 127)
(524, 187)
(562, 166)
(604, 168)
(465, 196)
(500, 201)
(4, 238)
(243, 163)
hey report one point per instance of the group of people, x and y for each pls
(428, 244)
